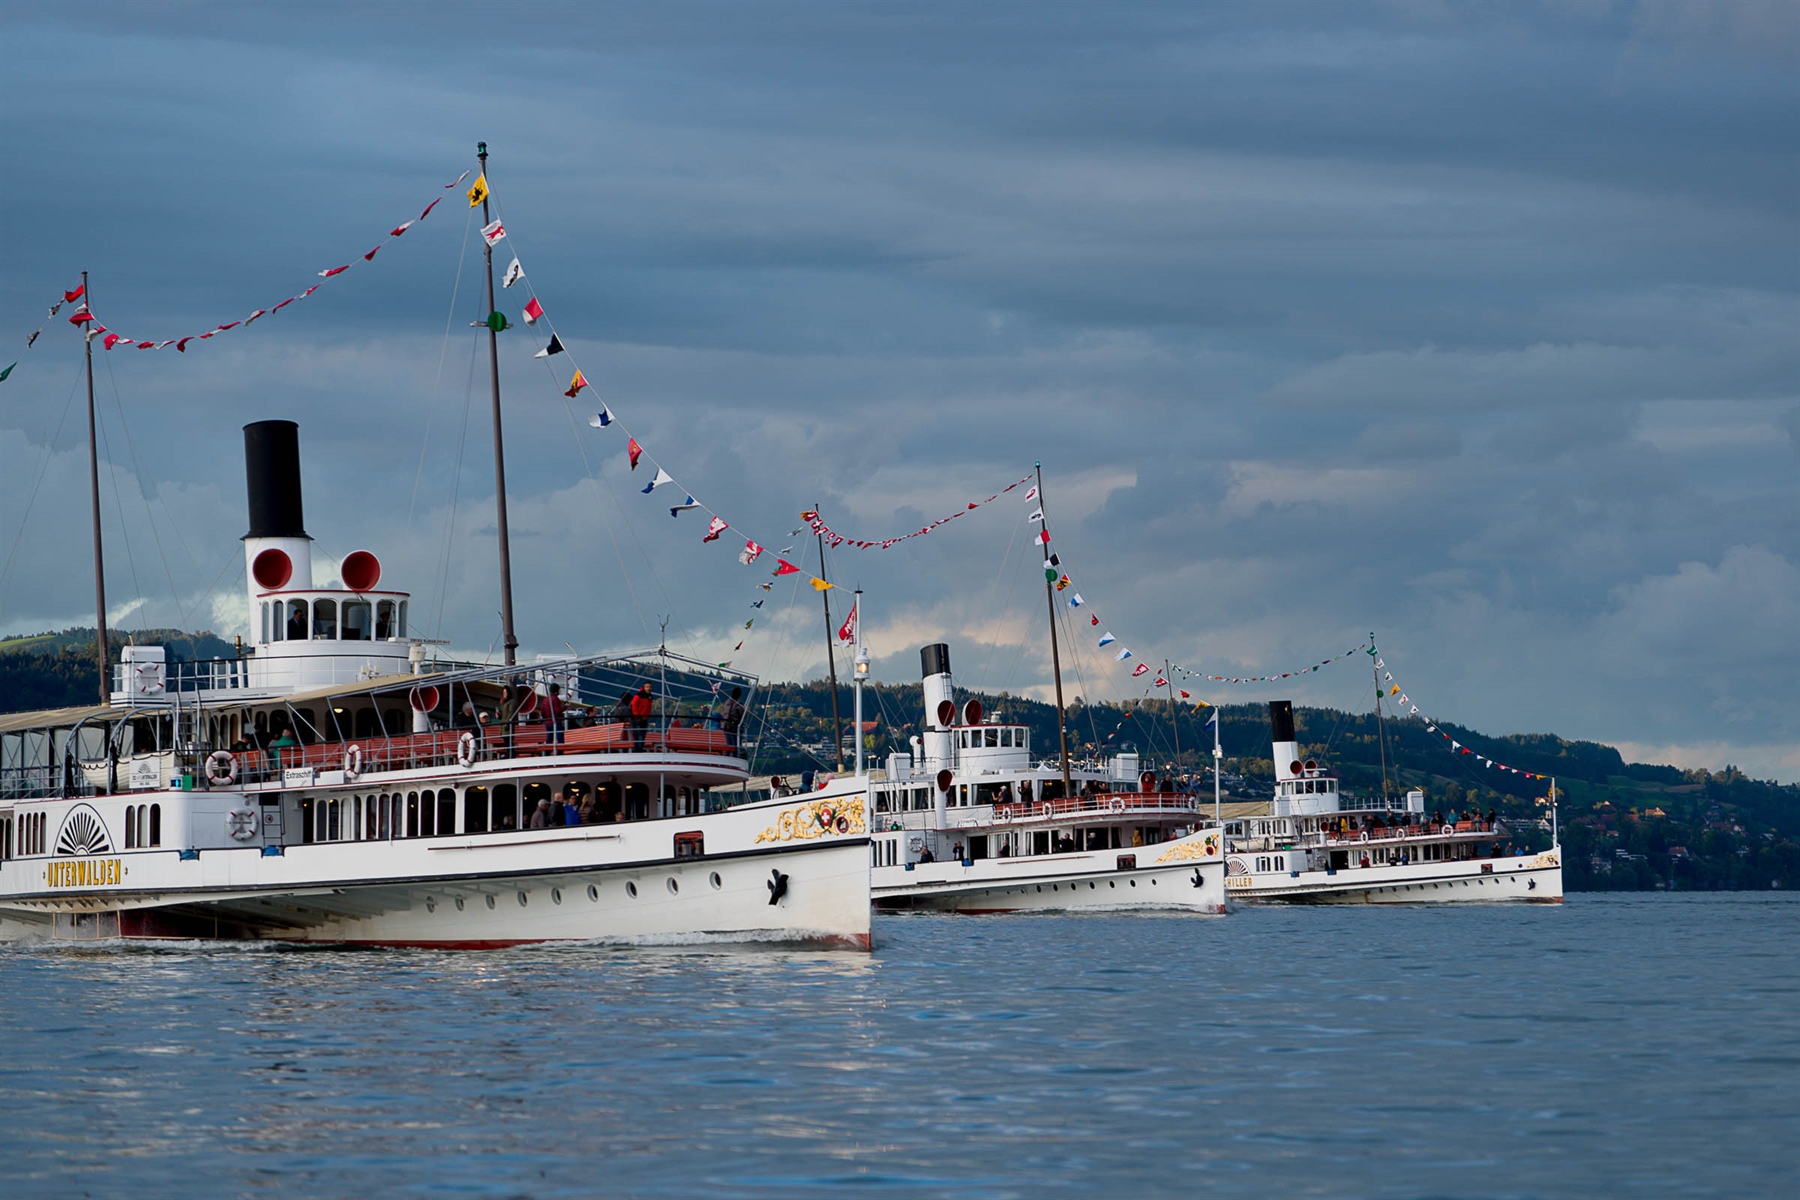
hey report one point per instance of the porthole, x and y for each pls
(1092, 885)
(631, 890)
(1153, 883)
(556, 895)
(1112, 883)
(459, 904)
(716, 881)
(523, 901)
(490, 901)
(593, 893)
(431, 904)
(673, 887)
(1134, 883)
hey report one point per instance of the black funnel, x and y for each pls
(1281, 720)
(272, 473)
(934, 660)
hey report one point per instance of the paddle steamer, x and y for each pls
(332, 784)
(969, 822)
(1314, 844)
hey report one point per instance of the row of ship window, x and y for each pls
(435, 813)
(1013, 736)
(319, 620)
(29, 833)
(143, 826)
(671, 885)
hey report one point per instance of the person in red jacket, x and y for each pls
(642, 705)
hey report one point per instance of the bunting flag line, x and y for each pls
(556, 347)
(533, 311)
(513, 274)
(83, 316)
(1410, 709)
(575, 386)
(714, 528)
(835, 539)
(684, 506)
(662, 477)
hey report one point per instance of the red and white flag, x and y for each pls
(1032, 494)
(493, 232)
(1160, 682)
(714, 528)
(847, 631)
(533, 311)
(1043, 537)
(1141, 668)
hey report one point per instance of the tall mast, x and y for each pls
(1380, 724)
(1174, 716)
(94, 492)
(837, 724)
(506, 605)
(1062, 732)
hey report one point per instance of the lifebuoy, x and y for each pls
(1004, 812)
(353, 761)
(221, 768)
(1449, 829)
(465, 749)
(1118, 805)
(241, 824)
(1363, 836)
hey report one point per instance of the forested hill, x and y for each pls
(1625, 825)
(56, 670)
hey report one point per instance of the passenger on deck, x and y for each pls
(541, 818)
(296, 627)
(959, 852)
(926, 856)
(555, 717)
(642, 705)
(733, 718)
(590, 809)
(571, 814)
(1025, 790)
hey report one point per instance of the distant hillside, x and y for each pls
(56, 670)
(1626, 826)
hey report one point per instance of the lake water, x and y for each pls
(1616, 1046)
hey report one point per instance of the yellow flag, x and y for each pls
(478, 193)
(819, 585)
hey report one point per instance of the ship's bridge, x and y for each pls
(990, 749)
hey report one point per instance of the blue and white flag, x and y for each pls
(1122, 655)
(662, 477)
(1076, 601)
(1107, 637)
(601, 419)
(684, 506)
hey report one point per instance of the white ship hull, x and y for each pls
(1173, 876)
(610, 883)
(1531, 879)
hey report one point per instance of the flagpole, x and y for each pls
(837, 723)
(1062, 733)
(1174, 716)
(510, 638)
(87, 338)
(860, 671)
(1218, 766)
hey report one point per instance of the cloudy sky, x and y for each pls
(1472, 325)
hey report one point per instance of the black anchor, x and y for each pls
(1198, 882)
(777, 886)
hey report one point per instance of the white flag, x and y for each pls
(1036, 516)
(1032, 494)
(662, 477)
(493, 233)
(513, 274)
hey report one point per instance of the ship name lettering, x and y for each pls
(85, 872)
